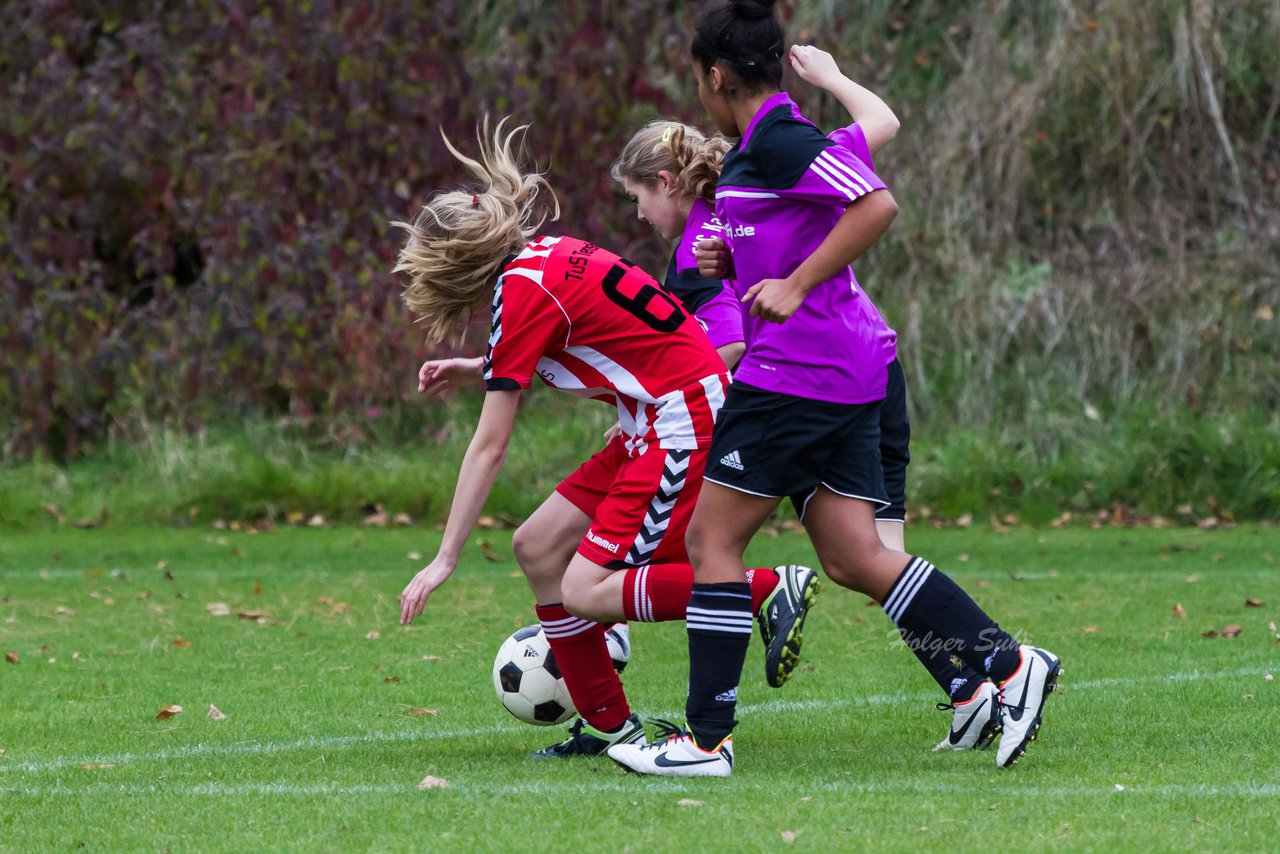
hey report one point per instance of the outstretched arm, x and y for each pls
(818, 68)
(438, 375)
(480, 467)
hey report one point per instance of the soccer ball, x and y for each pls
(528, 681)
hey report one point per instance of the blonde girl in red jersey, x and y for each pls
(609, 543)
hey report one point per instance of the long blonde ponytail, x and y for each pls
(459, 240)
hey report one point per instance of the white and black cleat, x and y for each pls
(974, 723)
(1022, 698)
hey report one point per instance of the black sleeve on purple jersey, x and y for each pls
(692, 289)
(778, 153)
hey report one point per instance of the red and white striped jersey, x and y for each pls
(595, 325)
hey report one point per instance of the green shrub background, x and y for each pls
(195, 198)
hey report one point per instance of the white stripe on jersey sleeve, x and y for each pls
(823, 172)
(844, 169)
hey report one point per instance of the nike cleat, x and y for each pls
(975, 722)
(781, 620)
(1022, 698)
(678, 755)
(586, 740)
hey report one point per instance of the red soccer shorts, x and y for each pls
(639, 506)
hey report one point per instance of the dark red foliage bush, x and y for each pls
(195, 197)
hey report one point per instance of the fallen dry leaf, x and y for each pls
(1179, 612)
(432, 712)
(215, 714)
(688, 802)
(339, 608)
(218, 609)
(93, 766)
(1252, 603)
(430, 782)
(1247, 697)
(404, 520)
(788, 836)
(180, 643)
(486, 549)
(965, 521)
(1231, 630)
(1211, 633)
(316, 521)
(11, 657)
(392, 679)
(1088, 630)
(432, 658)
(373, 635)
(488, 522)
(63, 611)
(414, 555)
(168, 712)
(324, 600)
(253, 615)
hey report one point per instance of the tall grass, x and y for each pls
(1089, 195)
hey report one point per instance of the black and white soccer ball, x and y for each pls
(528, 681)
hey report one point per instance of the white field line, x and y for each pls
(587, 789)
(342, 742)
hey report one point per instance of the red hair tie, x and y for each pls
(475, 201)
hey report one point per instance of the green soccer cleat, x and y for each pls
(781, 621)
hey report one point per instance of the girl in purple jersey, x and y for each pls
(670, 169)
(802, 414)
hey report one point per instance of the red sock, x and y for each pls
(660, 592)
(584, 662)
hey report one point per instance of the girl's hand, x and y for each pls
(815, 66)
(438, 375)
(416, 593)
(714, 260)
(775, 299)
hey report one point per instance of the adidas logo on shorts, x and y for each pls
(732, 460)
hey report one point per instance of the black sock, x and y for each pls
(935, 615)
(958, 680)
(719, 622)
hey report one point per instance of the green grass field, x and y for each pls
(1160, 738)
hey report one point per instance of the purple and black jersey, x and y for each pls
(709, 300)
(782, 190)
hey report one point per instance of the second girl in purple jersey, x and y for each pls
(802, 415)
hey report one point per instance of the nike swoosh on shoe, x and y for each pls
(664, 762)
(957, 734)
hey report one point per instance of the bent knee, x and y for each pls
(584, 602)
